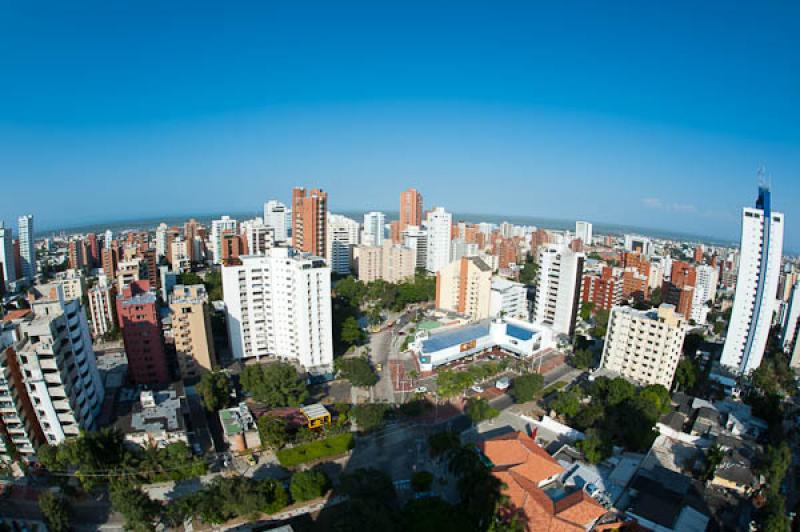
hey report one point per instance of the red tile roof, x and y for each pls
(519, 452)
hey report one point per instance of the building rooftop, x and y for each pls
(139, 299)
(155, 412)
(445, 339)
(314, 411)
(518, 332)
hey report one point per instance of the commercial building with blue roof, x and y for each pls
(521, 338)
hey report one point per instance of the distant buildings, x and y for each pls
(464, 286)
(278, 307)
(558, 289)
(390, 262)
(310, 221)
(644, 346)
(583, 230)
(27, 248)
(156, 420)
(101, 309)
(218, 228)
(342, 239)
(258, 236)
(416, 238)
(604, 291)
(137, 313)
(438, 225)
(756, 285)
(410, 209)
(7, 255)
(374, 228)
(275, 216)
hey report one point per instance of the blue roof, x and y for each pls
(443, 340)
(518, 332)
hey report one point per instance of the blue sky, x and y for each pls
(642, 113)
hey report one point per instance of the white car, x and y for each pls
(421, 389)
(502, 383)
(477, 388)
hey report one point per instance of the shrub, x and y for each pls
(307, 452)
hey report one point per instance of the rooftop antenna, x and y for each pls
(762, 177)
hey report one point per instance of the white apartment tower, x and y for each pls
(342, 239)
(27, 248)
(9, 271)
(558, 290)
(583, 230)
(374, 228)
(259, 235)
(101, 309)
(417, 239)
(276, 215)
(278, 306)
(644, 346)
(705, 290)
(161, 241)
(439, 226)
(508, 299)
(791, 315)
(218, 228)
(756, 285)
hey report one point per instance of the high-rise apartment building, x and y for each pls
(220, 227)
(56, 360)
(275, 215)
(7, 255)
(790, 317)
(410, 209)
(583, 230)
(310, 221)
(101, 309)
(680, 288)
(111, 257)
(508, 299)
(558, 290)
(438, 225)
(756, 285)
(374, 228)
(644, 346)
(342, 239)
(416, 238)
(137, 313)
(27, 248)
(93, 258)
(465, 286)
(191, 330)
(604, 291)
(75, 256)
(278, 306)
(161, 240)
(258, 236)
(391, 262)
(705, 290)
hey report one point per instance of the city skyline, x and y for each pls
(560, 118)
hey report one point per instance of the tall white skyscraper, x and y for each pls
(9, 270)
(583, 230)
(342, 239)
(558, 289)
(790, 317)
(161, 240)
(417, 239)
(438, 224)
(218, 227)
(756, 285)
(374, 227)
(260, 236)
(705, 290)
(108, 236)
(27, 249)
(276, 215)
(278, 306)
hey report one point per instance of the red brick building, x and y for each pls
(137, 313)
(604, 290)
(679, 290)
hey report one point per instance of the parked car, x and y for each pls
(477, 388)
(379, 368)
(502, 383)
(421, 389)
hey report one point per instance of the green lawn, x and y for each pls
(307, 452)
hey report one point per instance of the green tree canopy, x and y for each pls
(527, 387)
(369, 416)
(567, 403)
(357, 370)
(307, 485)
(595, 447)
(582, 359)
(215, 389)
(685, 374)
(136, 507)
(273, 431)
(274, 384)
(478, 409)
(55, 511)
(351, 333)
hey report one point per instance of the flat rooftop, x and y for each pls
(445, 339)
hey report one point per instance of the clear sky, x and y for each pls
(654, 114)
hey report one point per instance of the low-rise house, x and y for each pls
(156, 420)
(239, 427)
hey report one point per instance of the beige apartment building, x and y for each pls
(391, 262)
(465, 286)
(644, 346)
(191, 330)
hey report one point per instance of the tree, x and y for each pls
(714, 457)
(357, 370)
(421, 481)
(527, 387)
(478, 409)
(619, 390)
(443, 442)
(452, 383)
(527, 275)
(582, 359)
(351, 333)
(655, 297)
(307, 485)
(368, 483)
(685, 374)
(600, 324)
(55, 511)
(775, 464)
(567, 403)
(587, 307)
(432, 514)
(369, 416)
(274, 384)
(215, 389)
(272, 431)
(773, 515)
(135, 506)
(594, 447)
